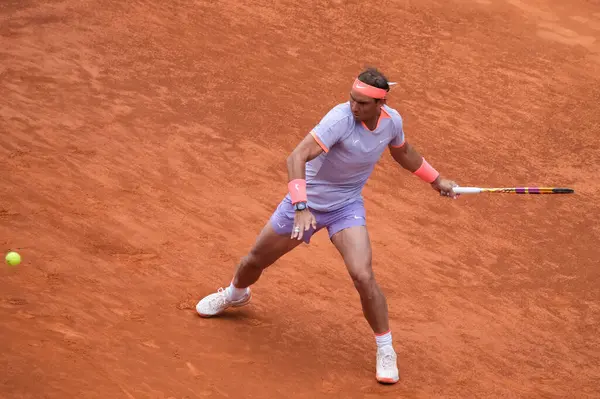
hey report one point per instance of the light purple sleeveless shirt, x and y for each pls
(350, 151)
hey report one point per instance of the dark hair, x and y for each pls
(373, 77)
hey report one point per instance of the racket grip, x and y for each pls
(466, 190)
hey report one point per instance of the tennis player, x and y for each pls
(326, 174)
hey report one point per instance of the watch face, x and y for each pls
(300, 206)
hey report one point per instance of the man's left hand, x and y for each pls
(444, 187)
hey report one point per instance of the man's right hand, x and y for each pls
(303, 220)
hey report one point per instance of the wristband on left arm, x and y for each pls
(426, 172)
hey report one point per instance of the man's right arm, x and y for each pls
(330, 130)
(307, 150)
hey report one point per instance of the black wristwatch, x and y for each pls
(300, 206)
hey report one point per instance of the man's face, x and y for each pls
(364, 108)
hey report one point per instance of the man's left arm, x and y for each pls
(410, 159)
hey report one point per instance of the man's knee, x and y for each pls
(364, 280)
(257, 259)
(253, 260)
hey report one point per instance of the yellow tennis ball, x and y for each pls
(13, 258)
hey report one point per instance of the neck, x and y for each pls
(372, 123)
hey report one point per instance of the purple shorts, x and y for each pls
(350, 215)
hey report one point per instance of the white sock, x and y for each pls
(234, 293)
(383, 339)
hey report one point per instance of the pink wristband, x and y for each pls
(297, 188)
(426, 172)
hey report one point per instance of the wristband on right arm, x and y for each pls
(297, 189)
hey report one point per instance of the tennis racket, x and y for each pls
(514, 190)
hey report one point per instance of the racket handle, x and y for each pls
(466, 190)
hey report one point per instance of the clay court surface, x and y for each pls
(143, 147)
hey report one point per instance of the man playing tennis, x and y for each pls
(326, 174)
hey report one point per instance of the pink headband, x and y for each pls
(367, 90)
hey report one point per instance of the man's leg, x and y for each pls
(268, 248)
(354, 245)
(271, 244)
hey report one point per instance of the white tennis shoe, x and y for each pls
(387, 367)
(218, 302)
